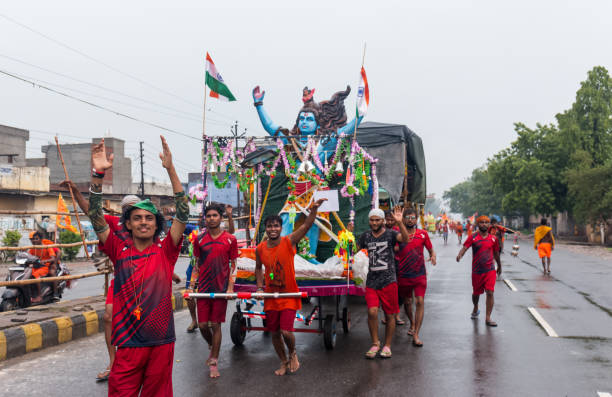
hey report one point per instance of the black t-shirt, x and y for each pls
(381, 271)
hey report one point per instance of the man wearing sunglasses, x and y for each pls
(411, 273)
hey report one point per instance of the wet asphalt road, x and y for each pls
(461, 357)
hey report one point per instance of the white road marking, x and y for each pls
(551, 332)
(603, 394)
(510, 285)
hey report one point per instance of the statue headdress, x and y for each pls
(330, 114)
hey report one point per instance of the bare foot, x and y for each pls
(212, 366)
(417, 341)
(282, 370)
(294, 364)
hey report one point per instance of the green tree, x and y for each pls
(66, 237)
(474, 195)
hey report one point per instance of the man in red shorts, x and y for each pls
(276, 255)
(381, 283)
(459, 231)
(411, 273)
(215, 251)
(485, 253)
(143, 323)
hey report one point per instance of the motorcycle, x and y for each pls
(20, 296)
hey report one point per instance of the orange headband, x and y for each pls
(483, 218)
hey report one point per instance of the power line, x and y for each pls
(98, 86)
(107, 98)
(34, 84)
(96, 60)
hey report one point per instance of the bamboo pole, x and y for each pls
(263, 206)
(335, 214)
(66, 245)
(49, 279)
(27, 212)
(74, 206)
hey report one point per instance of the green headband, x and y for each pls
(146, 205)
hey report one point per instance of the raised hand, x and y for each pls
(166, 155)
(315, 206)
(258, 95)
(99, 161)
(398, 214)
(68, 184)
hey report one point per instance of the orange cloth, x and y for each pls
(279, 273)
(44, 254)
(40, 272)
(545, 250)
(459, 229)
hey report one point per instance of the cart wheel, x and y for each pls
(329, 332)
(238, 329)
(346, 320)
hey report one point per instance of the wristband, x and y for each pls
(258, 103)
(97, 174)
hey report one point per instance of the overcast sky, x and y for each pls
(458, 73)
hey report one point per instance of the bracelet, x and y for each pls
(97, 174)
(258, 103)
(260, 289)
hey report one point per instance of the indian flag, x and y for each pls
(363, 94)
(215, 82)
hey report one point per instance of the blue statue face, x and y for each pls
(307, 123)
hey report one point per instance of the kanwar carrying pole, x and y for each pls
(74, 206)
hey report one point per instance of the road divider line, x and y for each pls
(551, 332)
(603, 394)
(510, 285)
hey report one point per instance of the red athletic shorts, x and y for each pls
(212, 310)
(109, 294)
(146, 367)
(387, 297)
(483, 281)
(280, 320)
(416, 284)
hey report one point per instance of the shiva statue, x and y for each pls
(327, 120)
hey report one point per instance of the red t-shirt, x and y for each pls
(482, 252)
(142, 278)
(214, 256)
(411, 262)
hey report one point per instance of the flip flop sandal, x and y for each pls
(373, 351)
(410, 332)
(400, 322)
(191, 329)
(386, 352)
(104, 377)
(475, 315)
(491, 323)
(415, 344)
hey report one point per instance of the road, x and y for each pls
(461, 357)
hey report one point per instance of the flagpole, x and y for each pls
(357, 110)
(74, 206)
(204, 147)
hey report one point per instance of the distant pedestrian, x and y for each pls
(459, 231)
(412, 275)
(544, 242)
(445, 232)
(381, 282)
(485, 253)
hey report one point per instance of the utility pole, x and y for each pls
(142, 191)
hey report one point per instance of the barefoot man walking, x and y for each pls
(276, 255)
(485, 253)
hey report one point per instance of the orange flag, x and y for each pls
(61, 207)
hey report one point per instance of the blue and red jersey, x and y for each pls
(214, 256)
(143, 279)
(483, 248)
(410, 259)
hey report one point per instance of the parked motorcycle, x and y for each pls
(20, 296)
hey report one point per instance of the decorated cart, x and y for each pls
(282, 173)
